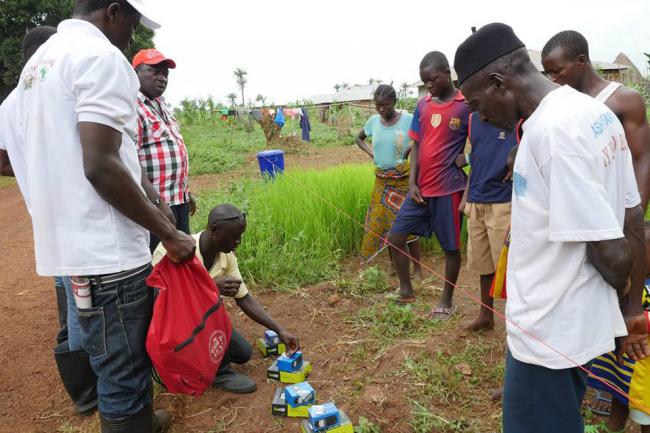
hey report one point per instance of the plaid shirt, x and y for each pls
(162, 150)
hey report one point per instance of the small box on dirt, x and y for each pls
(300, 375)
(290, 363)
(270, 344)
(293, 401)
(327, 418)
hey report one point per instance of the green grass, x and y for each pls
(293, 238)
(6, 181)
(218, 146)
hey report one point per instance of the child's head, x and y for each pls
(385, 99)
(435, 73)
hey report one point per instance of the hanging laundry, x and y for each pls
(305, 125)
(279, 118)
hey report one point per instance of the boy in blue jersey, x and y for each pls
(486, 203)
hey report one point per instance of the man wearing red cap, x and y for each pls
(160, 144)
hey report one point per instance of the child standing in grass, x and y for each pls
(436, 183)
(390, 148)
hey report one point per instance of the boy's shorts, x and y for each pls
(439, 216)
(487, 229)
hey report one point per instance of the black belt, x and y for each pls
(118, 276)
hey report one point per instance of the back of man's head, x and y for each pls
(225, 213)
(86, 7)
(436, 60)
(570, 41)
(34, 39)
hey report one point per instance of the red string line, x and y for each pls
(466, 292)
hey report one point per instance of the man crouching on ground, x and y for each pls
(216, 246)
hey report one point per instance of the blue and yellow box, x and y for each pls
(300, 375)
(269, 350)
(300, 394)
(293, 400)
(290, 363)
(327, 418)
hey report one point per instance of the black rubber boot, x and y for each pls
(77, 376)
(231, 381)
(144, 421)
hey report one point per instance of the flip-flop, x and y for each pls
(599, 397)
(446, 311)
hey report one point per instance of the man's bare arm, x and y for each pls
(613, 260)
(106, 172)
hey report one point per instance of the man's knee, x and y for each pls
(244, 354)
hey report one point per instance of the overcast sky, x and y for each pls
(296, 49)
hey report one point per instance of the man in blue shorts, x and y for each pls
(436, 183)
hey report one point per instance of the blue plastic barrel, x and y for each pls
(271, 162)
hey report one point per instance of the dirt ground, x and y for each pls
(363, 377)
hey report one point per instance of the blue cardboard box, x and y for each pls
(291, 363)
(344, 424)
(271, 338)
(300, 394)
(324, 416)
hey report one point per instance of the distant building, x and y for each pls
(360, 94)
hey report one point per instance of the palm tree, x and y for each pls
(371, 81)
(337, 87)
(232, 97)
(240, 74)
(345, 85)
(404, 89)
(261, 99)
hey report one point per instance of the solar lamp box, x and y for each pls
(270, 344)
(300, 394)
(284, 406)
(327, 418)
(290, 363)
(300, 375)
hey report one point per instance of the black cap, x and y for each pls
(489, 43)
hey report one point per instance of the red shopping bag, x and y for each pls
(190, 329)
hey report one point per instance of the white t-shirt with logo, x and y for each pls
(573, 179)
(76, 76)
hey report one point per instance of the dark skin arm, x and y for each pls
(414, 191)
(153, 195)
(613, 260)
(635, 344)
(229, 286)
(631, 109)
(361, 142)
(255, 311)
(5, 164)
(109, 176)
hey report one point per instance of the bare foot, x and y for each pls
(480, 324)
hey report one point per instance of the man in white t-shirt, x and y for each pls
(568, 262)
(81, 179)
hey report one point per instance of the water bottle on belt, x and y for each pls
(81, 291)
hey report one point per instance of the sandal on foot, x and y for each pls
(599, 397)
(444, 312)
